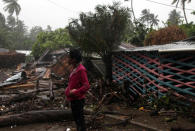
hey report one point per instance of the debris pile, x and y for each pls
(37, 89)
(35, 93)
(36, 86)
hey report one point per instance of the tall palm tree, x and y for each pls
(12, 7)
(149, 18)
(174, 18)
(145, 16)
(183, 6)
(132, 10)
(154, 20)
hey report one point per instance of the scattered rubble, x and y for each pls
(35, 93)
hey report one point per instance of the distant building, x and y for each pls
(3, 50)
(10, 59)
(26, 52)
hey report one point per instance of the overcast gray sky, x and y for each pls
(57, 13)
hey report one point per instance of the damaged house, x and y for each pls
(10, 58)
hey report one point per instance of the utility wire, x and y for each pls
(167, 5)
(62, 7)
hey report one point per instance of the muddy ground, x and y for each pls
(104, 123)
(63, 126)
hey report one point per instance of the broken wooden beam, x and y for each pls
(37, 85)
(7, 84)
(22, 85)
(51, 94)
(40, 58)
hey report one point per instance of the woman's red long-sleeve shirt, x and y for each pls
(77, 80)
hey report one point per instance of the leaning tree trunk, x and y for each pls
(107, 59)
(133, 10)
(184, 12)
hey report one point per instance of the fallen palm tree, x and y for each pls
(35, 117)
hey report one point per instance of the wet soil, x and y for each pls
(103, 123)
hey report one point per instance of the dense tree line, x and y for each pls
(14, 33)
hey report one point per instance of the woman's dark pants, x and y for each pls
(78, 114)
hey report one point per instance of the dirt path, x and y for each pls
(39, 127)
(64, 125)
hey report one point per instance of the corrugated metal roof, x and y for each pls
(26, 52)
(125, 46)
(60, 51)
(186, 45)
(179, 46)
(4, 50)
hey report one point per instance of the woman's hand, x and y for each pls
(72, 92)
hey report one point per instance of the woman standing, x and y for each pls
(77, 87)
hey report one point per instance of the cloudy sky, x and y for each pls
(57, 13)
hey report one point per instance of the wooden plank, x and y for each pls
(26, 85)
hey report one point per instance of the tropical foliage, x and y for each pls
(34, 31)
(140, 27)
(137, 34)
(189, 29)
(51, 40)
(102, 31)
(13, 34)
(12, 7)
(193, 12)
(183, 2)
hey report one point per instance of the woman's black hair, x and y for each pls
(75, 54)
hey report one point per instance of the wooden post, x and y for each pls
(51, 89)
(37, 86)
